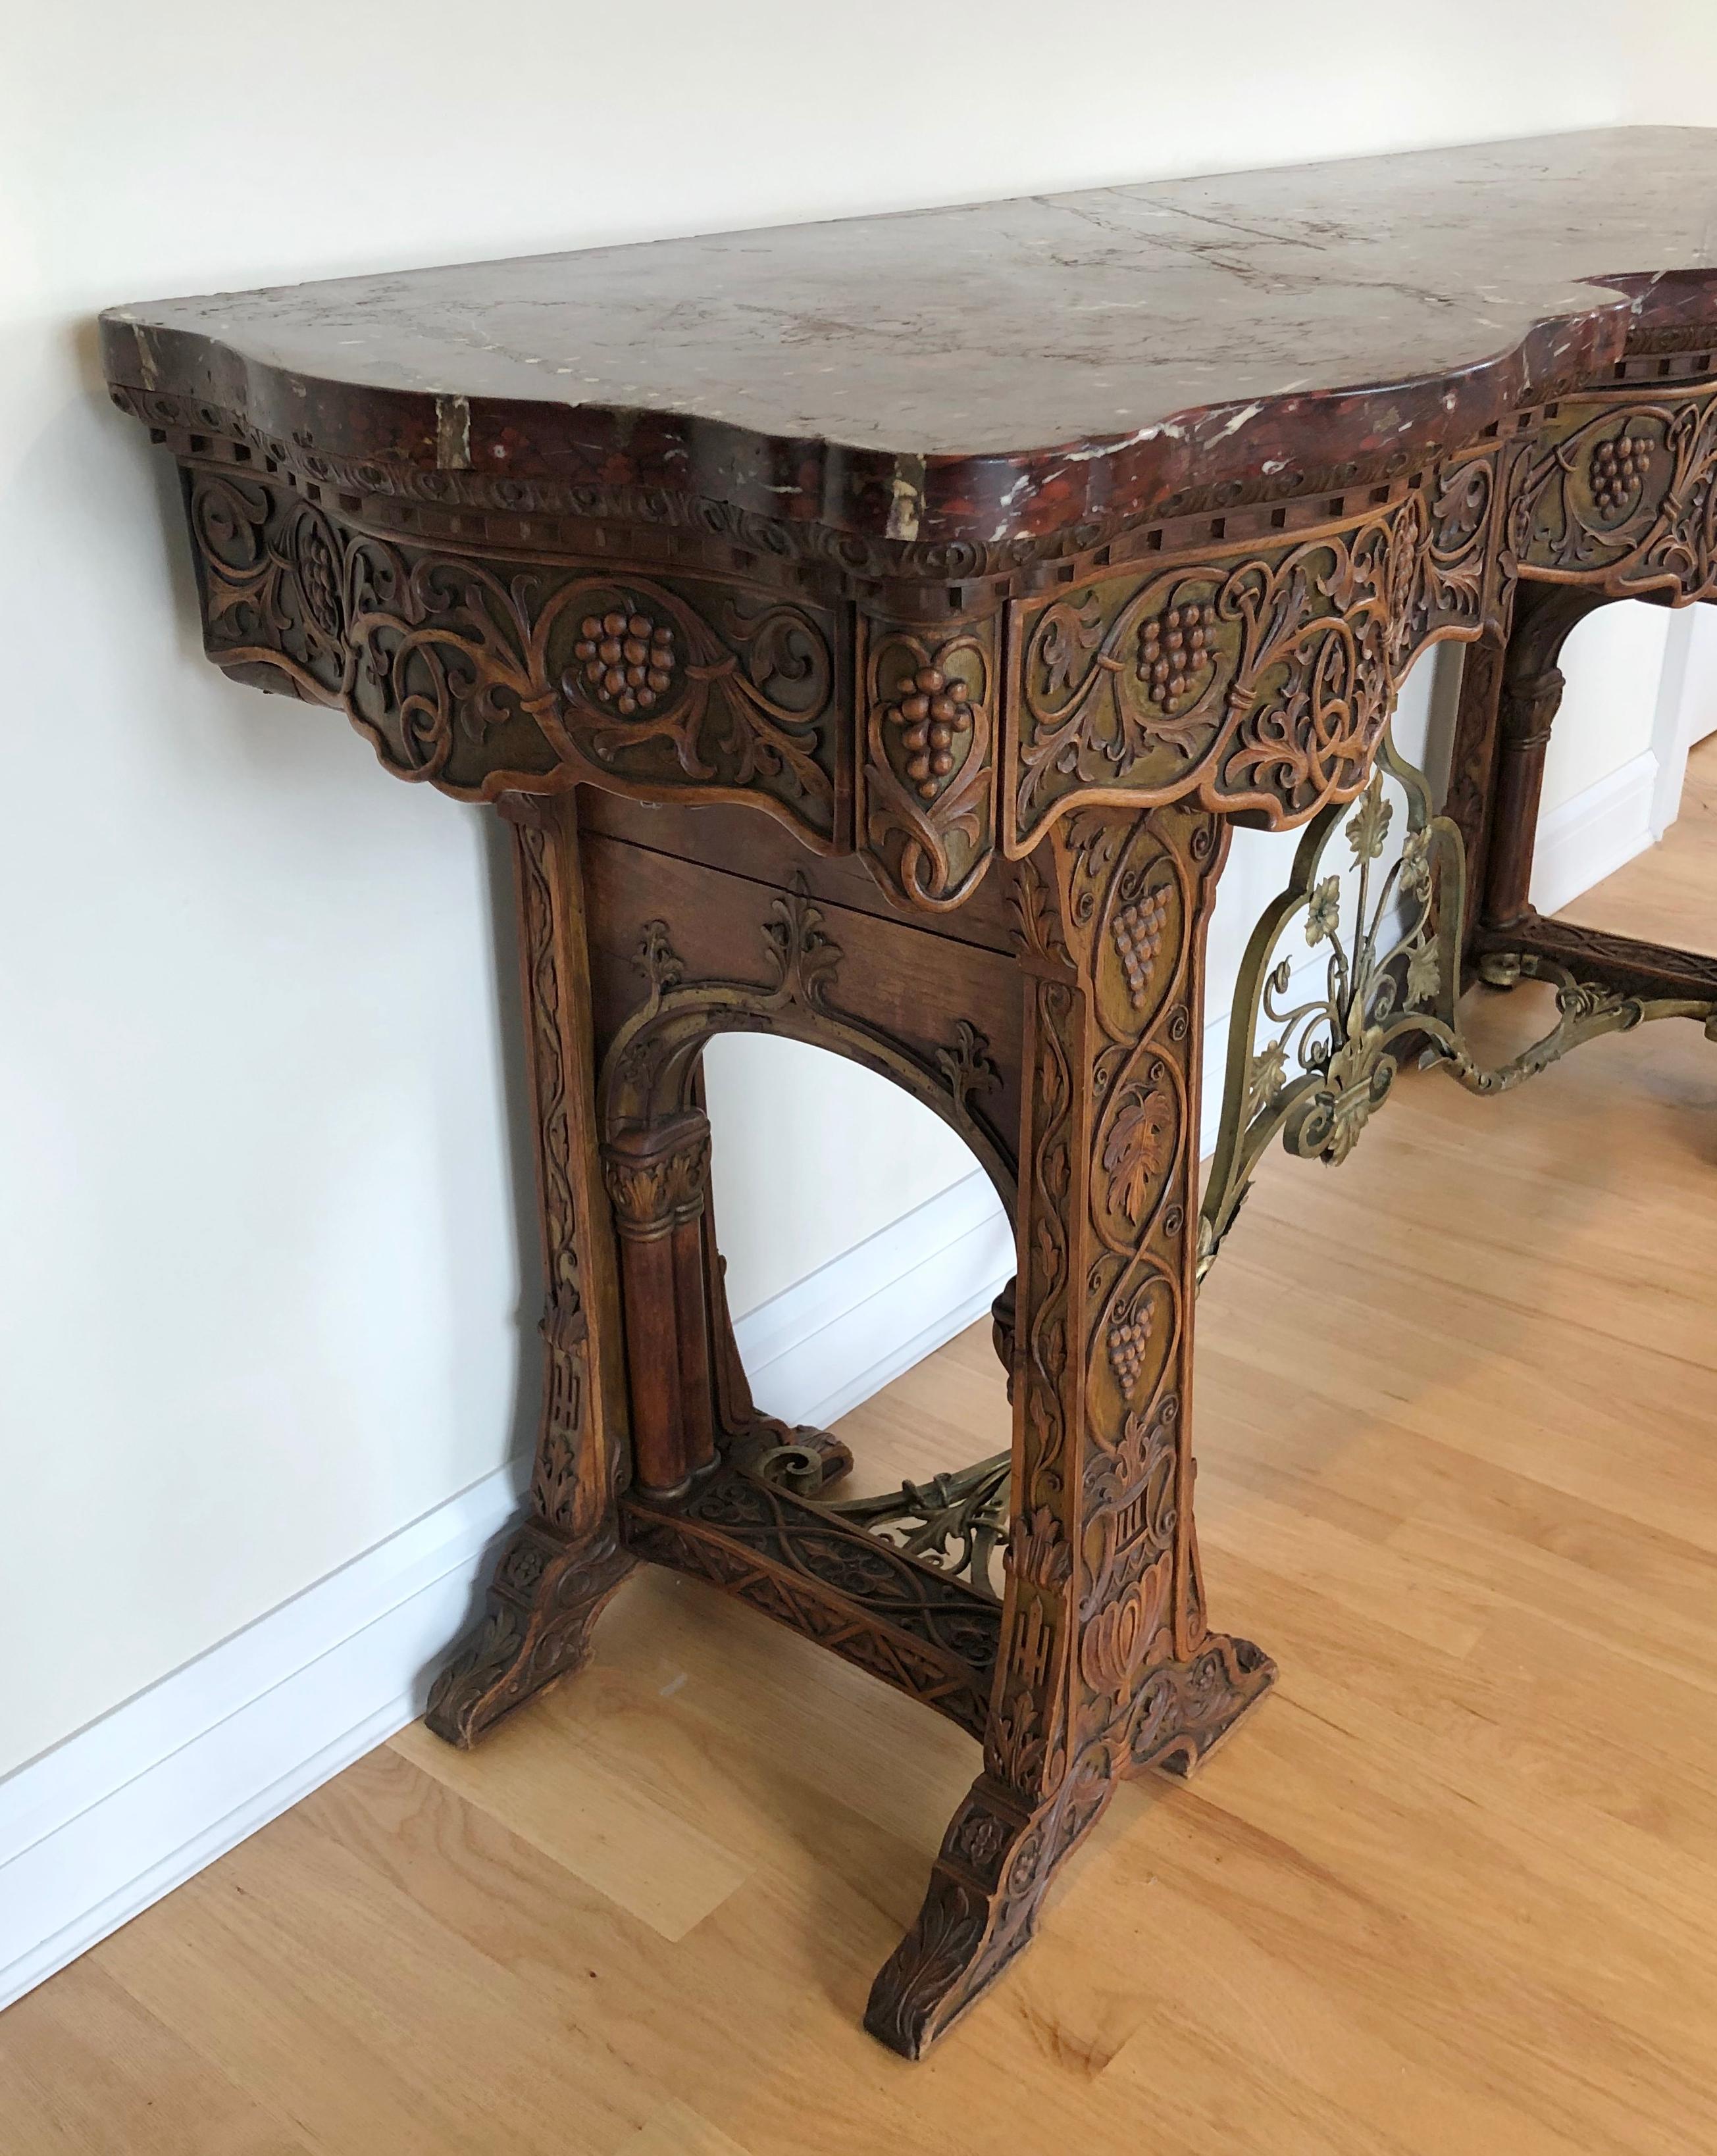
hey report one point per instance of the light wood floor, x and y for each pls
(1454, 1889)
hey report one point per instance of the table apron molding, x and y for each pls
(1254, 674)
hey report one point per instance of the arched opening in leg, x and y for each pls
(857, 1256)
(860, 1234)
(1604, 722)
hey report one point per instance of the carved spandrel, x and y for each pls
(1617, 490)
(485, 675)
(1257, 677)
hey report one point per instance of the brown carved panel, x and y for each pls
(929, 774)
(1618, 490)
(487, 676)
(1259, 677)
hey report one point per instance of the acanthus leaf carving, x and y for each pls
(969, 1067)
(803, 955)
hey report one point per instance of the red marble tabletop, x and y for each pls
(1007, 368)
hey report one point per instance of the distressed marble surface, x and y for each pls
(1010, 367)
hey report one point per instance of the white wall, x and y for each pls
(812, 1155)
(1613, 664)
(261, 1285)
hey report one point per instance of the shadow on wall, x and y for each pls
(498, 843)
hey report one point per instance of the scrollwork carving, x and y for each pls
(1619, 490)
(478, 676)
(1260, 679)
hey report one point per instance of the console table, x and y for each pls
(872, 632)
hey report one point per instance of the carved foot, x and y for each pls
(544, 1599)
(994, 1870)
(999, 1856)
(1184, 1710)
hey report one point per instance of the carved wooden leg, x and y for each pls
(566, 1559)
(1545, 617)
(1472, 765)
(1105, 1664)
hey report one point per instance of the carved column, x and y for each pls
(1473, 765)
(1531, 696)
(658, 1178)
(565, 1561)
(1107, 1665)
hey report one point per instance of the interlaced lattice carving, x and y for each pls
(958, 1523)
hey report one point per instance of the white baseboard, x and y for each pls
(1599, 831)
(833, 1338)
(95, 1830)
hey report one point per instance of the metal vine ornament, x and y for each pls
(1326, 1062)
(1314, 1071)
(958, 1523)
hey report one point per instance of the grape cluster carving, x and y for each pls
(935, 706)
(1128, 1339)
(319, 578)
(628, 659)
(1619, 468)
(1138, 936)
(1173, 648)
